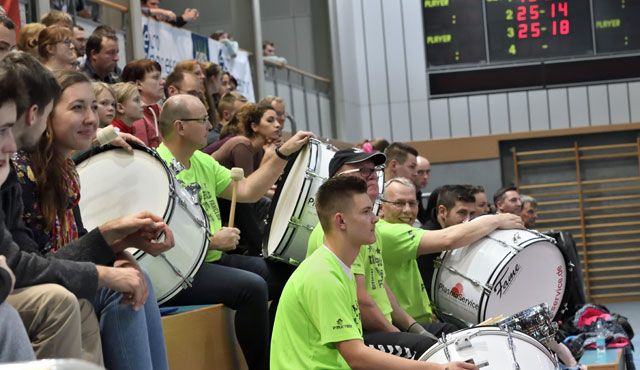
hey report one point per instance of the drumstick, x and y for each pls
(237, 174)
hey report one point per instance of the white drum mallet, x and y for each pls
(237, 174)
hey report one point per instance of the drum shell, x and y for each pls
(492, 345)
(116, 184)
(502, 274)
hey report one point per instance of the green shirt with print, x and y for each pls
(368, 263)
(212, 177)
(400, 244)
(318, 308)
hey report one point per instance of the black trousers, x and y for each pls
(407, 345)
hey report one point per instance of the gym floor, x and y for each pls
(632, 311)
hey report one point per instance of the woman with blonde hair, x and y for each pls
(55, 48)
(28, 41)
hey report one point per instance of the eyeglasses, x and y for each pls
(67, 42)
(365, 172)
(401, 203)
(204, 119)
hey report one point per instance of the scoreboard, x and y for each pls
(486, 33)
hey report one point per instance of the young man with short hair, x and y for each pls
(318, 321)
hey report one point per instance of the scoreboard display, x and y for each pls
(464, 33)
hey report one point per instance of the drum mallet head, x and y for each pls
(237, 174)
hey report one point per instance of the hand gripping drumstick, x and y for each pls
(237, 174)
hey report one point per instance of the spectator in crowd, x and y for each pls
(278, 105)
(228, 43)
(79, 40)
(269, 54)
(106, 99)
(191, 66)
(57, 18)
(228, 83)
(482, 205)
(151, 8)
(259, 128)
(379, 144)
(507, 200)
(128, 107)
(179, 82)
(55, 48)
(421, 180)
(7, 35)
(28, 41)
(71, 7)
(227, 108)
(529, 211)
(212, 81)
(145, 73)
(102, 55)
(401, 161)
(454, 204)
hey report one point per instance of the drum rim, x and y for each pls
(485, 330)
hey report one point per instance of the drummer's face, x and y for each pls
(400, 204)
(371, 180)
(74, 118)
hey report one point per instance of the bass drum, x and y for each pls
(501, 274)
(492, 348)
(115, 183)
(293, 215)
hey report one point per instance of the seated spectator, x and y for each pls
(55, 48)
(79, 41)
(179, 82)
(482, 205)
(269, 54)
(278, 105)
(228, 83)
(212, 81)
(529, 212)
(106, 99)
(57, 18)
(7, 35)
(102, 55)
(145, 74)
(227, 108)
(379, 144)
(71, 7)
(151, 8)
(128, 108)
(28, 41)
(259, 127)
(191, 66)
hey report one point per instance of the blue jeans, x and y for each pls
(130, 339)
(14, 341)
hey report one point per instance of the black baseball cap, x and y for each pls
(354, 155)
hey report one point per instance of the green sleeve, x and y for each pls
(358, 266)
(399, 242)
(218, 175)
(316, 239)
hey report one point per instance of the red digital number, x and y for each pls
(522, 13)
(522, 31)
(563, 26)
(533, 12)
(535, 29)
(561, 7)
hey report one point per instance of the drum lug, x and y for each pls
(514, 248)
(443, 339)
(462, 343)
(516, 365)
(299, 224)
(486, 287)
(310, 174)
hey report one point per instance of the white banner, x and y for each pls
(239, 67)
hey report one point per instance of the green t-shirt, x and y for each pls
(400, 244)
(318, 308)
(212, 177)
(369, 263)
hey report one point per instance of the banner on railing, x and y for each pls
(168, 45)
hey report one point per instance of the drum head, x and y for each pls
(115, 183)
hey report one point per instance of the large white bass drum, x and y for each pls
(492, 348)
(293, 215)
(501, 274)
(115, 183)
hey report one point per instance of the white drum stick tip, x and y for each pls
(237, 173)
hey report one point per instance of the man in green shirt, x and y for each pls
(318, 320)
(387, 326)
(237, 281)
(402, 243)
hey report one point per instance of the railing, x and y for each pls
(307, 98)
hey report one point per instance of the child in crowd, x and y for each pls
(106, 98)
(128, 107)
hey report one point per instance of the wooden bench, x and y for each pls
(611, 359)
(202, 338)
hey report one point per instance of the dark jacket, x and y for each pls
(30, 268)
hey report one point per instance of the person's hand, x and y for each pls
(225, 239)
(127, 280)
(138, 230)
(124, 139)
(509, 221)
(163, 14)
(126, 259)
(190, 14)
(295, 142)
(459, 365)
(3, 265)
